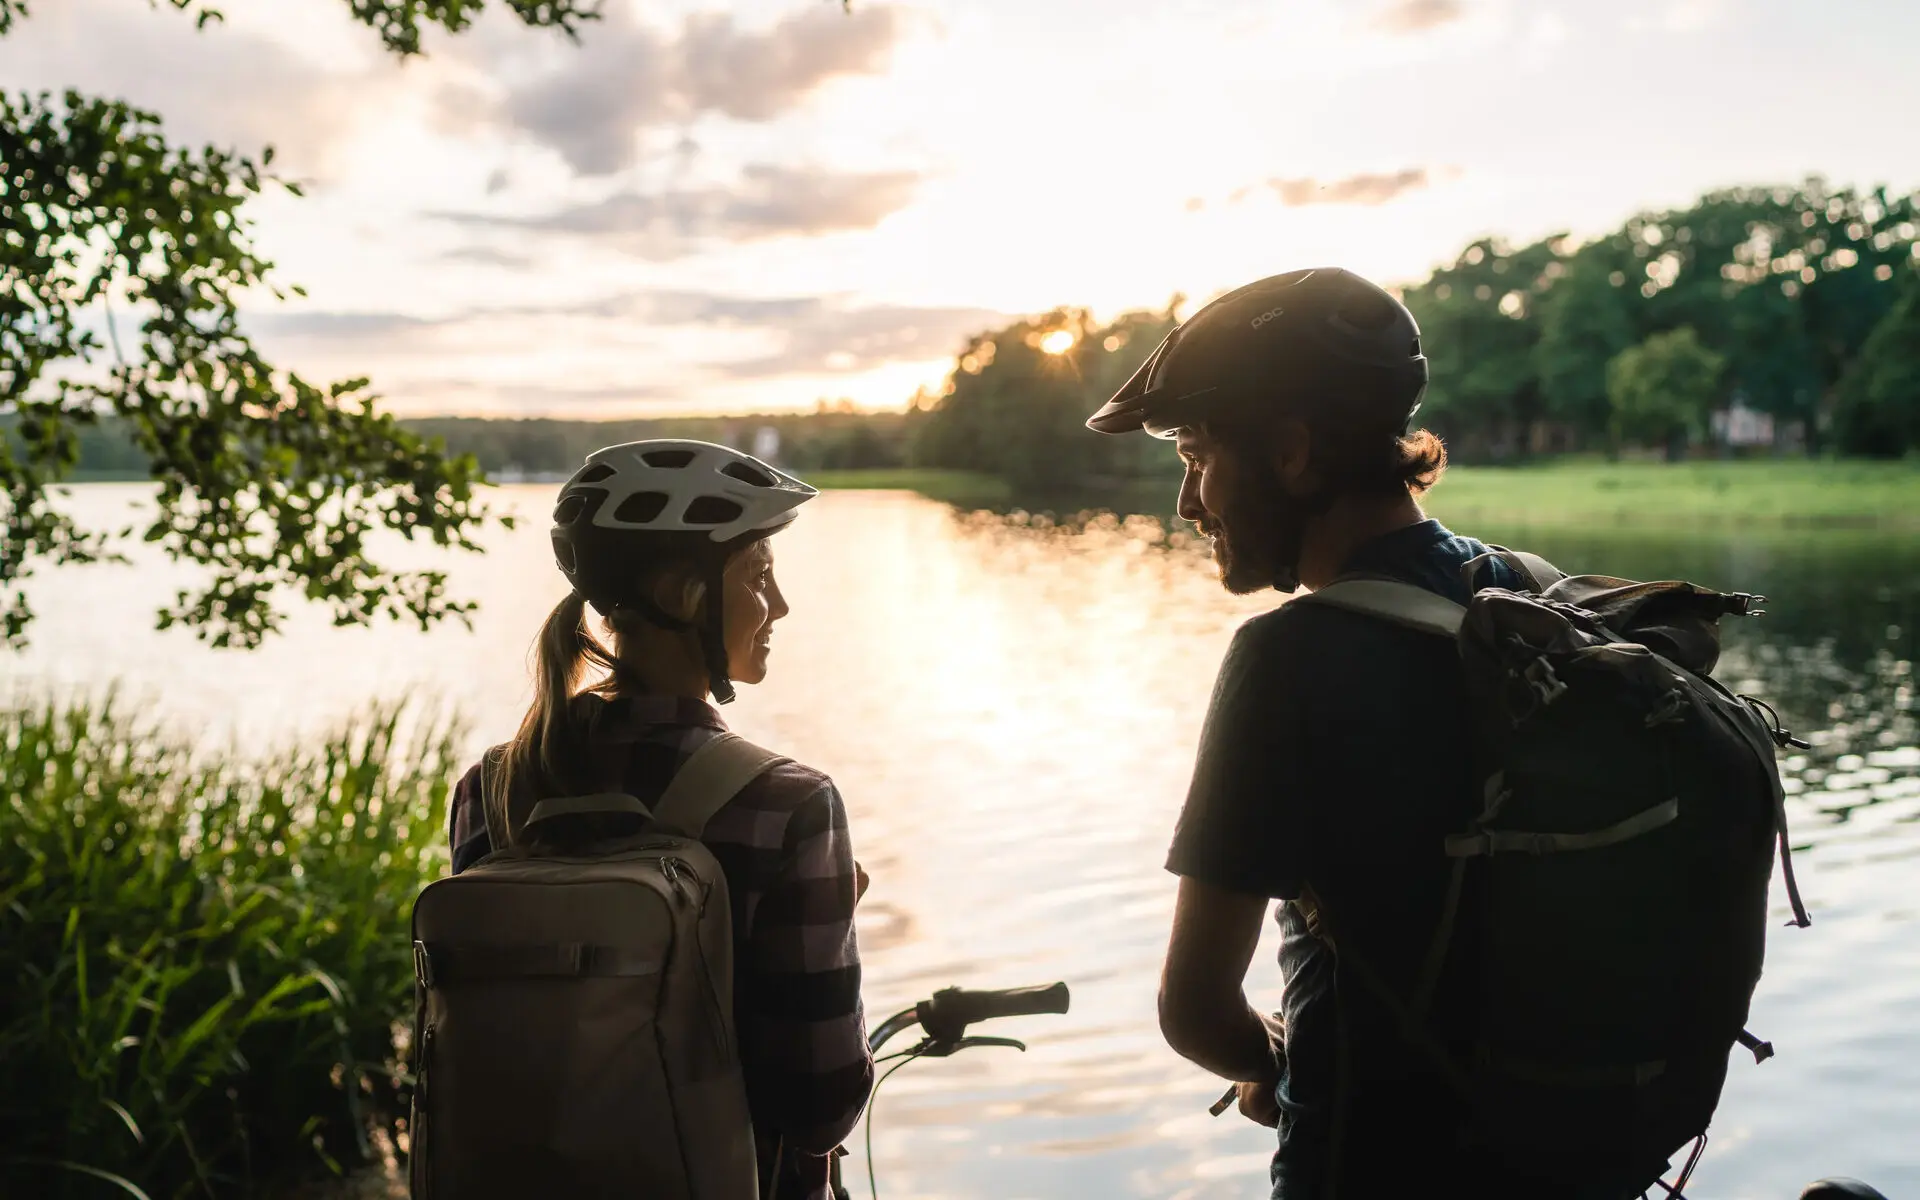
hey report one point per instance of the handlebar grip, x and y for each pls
(946, 1016)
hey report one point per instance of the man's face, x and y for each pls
(1230, 502)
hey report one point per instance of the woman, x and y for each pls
(668, 542)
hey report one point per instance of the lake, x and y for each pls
(1010, 705)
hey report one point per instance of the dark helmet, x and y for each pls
(664, 499)
(1262, 343)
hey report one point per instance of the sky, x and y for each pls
(759, 205)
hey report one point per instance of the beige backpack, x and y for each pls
(574, 1016)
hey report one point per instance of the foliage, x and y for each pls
(1785, 283)
(1663, 390)
(1584, 323)
(202, 964)
(1017, 401)
(1879, 409)
(270, 481)
(1782, 286)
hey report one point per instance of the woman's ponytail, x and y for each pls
(535, 763)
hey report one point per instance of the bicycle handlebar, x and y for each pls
(946, 1016)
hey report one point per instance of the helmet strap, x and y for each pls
(653, 614)
(713, 638)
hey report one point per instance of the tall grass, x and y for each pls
(203, 962)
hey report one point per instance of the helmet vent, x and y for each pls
(748, 473)
(568, 510)
(711, 510)
(594, 474)
(667, 458)
(640, 508)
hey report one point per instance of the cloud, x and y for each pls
(626, 78)
(320, 325)
(464, 396)
(1418, 16)
(794, 335)
(155, 58)
(821, 338)
(767, 201)
(487, 256)
(1364, 189)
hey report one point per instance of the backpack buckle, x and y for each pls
(422, 965)
(1544, 681)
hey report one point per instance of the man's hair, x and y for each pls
(1354, 423)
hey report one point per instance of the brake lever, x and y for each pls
(933, 1049)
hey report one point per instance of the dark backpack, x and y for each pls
(1618, 867)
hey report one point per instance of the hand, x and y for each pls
(860, 882)
(1258, 1105)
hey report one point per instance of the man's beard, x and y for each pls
(1242, 550)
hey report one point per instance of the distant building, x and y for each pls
(766, 444)
(1738, 425)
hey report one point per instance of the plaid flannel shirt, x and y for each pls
(783, 845)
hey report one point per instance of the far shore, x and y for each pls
(1775, 494)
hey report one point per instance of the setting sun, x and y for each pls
(1058, 342)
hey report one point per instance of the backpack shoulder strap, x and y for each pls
(1544, 573)
(1536, 572)
(1401, 603)
(711, 776)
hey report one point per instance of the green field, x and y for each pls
(1798, 493)
(1767, 494)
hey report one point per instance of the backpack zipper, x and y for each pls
(678, 871)
(417, 1148)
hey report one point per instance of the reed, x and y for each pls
(205, 970)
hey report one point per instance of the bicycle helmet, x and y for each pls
(1260, 344)
(668, 498)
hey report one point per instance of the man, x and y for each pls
(1336, 755)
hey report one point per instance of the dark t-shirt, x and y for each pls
(1337, 753)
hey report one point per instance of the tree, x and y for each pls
(1018, 399)
(1879, 405)
(1785, 281)
(1663, 390)
(1586, 318)
(1478, 327)
(122, 261)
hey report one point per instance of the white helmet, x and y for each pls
(662, 498)
(668, 486)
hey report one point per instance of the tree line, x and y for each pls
(832, 438)
(1795, 308)
(1792, 314)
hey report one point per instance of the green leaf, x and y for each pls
(127, 1117)
(124, 1184)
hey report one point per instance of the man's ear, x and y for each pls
(1290, 454)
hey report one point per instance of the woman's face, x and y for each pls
(752, 604)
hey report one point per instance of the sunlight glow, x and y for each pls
(1058, 342)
